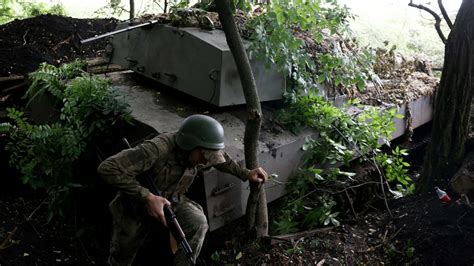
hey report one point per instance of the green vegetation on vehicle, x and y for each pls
(341, 136)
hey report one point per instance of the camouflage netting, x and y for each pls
(402, 79)
(193, 17)
(396, 78)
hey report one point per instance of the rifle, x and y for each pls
(151, 22)
(170, 216)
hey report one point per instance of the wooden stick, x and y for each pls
(11, 78)
(7, 241)
(445, 14)
(436, 17)
(352, 206)
(290, 237)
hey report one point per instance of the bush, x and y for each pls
(46, 155)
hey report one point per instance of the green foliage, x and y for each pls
(46, 154)
(216, 257)
(335, 65)
(42, 153)
(118, 8)
(340, 134)
(51, 79)
(112, 8)
(34, 8)
(12, 9)
(341, 137)
(178, 4)
(243, 5)
(303, 211)
(274, 41)
(6, 11)
(396, 170)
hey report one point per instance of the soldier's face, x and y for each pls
(197, 157)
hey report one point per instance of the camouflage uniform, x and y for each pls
(173, 176)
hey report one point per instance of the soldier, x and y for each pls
(174, 160)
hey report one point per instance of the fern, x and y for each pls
(46, 154)
(51, 79)
(6, 128)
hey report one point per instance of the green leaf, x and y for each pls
(327, 220)
(360, 84)
(335, 222)
(215, 256)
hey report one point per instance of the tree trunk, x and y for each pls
(132, 9)
(257, 216)
(452, 103)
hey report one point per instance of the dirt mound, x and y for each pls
(24, 44)
(439, 233)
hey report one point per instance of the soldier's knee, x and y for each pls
(204, 227)
(200, 227)
(201, 223)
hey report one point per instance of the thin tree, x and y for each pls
(452, 101)
(257, 216)
(132, 9)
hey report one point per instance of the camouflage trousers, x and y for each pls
(131, 226)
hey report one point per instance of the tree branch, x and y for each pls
(436, 17)
(445, 14)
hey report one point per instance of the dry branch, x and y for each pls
(7, 242)
(445, 14)
(436, 17)
(290, 237)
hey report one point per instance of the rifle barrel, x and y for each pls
(151, 22)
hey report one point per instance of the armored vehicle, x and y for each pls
(194, 72)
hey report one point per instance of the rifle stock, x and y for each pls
(173, 224)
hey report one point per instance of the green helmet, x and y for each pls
(200, 131)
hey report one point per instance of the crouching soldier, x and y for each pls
(174, 159)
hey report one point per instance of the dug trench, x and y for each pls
(423, 230)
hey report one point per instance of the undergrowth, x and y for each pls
(47, 154)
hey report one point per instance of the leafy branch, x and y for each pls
(280, 36)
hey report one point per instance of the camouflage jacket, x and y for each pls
(168, 164)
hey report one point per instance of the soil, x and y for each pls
(24, 44)
(423, 230)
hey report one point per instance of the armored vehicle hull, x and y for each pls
(192, 60)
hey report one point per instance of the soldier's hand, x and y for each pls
(154, 205)
(258, 175)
